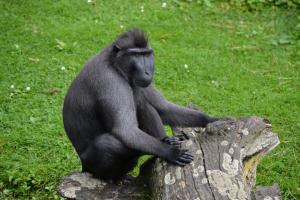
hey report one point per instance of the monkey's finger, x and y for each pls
(187, 153)
(180, 163)
(177, 146)
(187, 156)
(185, 160)
(182, 136)
(184, 151)
(170, 140)
(175, 142)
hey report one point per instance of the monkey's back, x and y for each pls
(81, 121)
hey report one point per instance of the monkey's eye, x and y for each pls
(135, 54)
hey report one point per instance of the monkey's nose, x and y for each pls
(147, 73)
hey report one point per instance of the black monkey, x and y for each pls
(112, 114)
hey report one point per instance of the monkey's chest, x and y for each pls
(139, 99)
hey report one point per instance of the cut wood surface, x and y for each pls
(226, 154)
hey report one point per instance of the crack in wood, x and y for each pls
(206, 175)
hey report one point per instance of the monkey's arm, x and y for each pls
(116, 106)
(151, 123)
(175, 115)
(127, 131)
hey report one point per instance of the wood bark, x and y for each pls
(226, 154)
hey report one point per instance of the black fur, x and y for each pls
(112, 114)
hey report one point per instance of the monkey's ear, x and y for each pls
(116, 48)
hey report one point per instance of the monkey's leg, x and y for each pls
(150, 121)
(106, 157)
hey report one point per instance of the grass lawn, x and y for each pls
(226, 61)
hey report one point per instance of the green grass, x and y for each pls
(234, 69)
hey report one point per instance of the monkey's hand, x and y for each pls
(180, 157)
(175, 140)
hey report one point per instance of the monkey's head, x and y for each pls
(133, 58)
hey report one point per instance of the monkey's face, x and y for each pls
(142, 69)
(138, 65)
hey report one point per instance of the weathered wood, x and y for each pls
(226, 155)
(82, 186)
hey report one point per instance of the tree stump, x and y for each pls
(226, 154)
